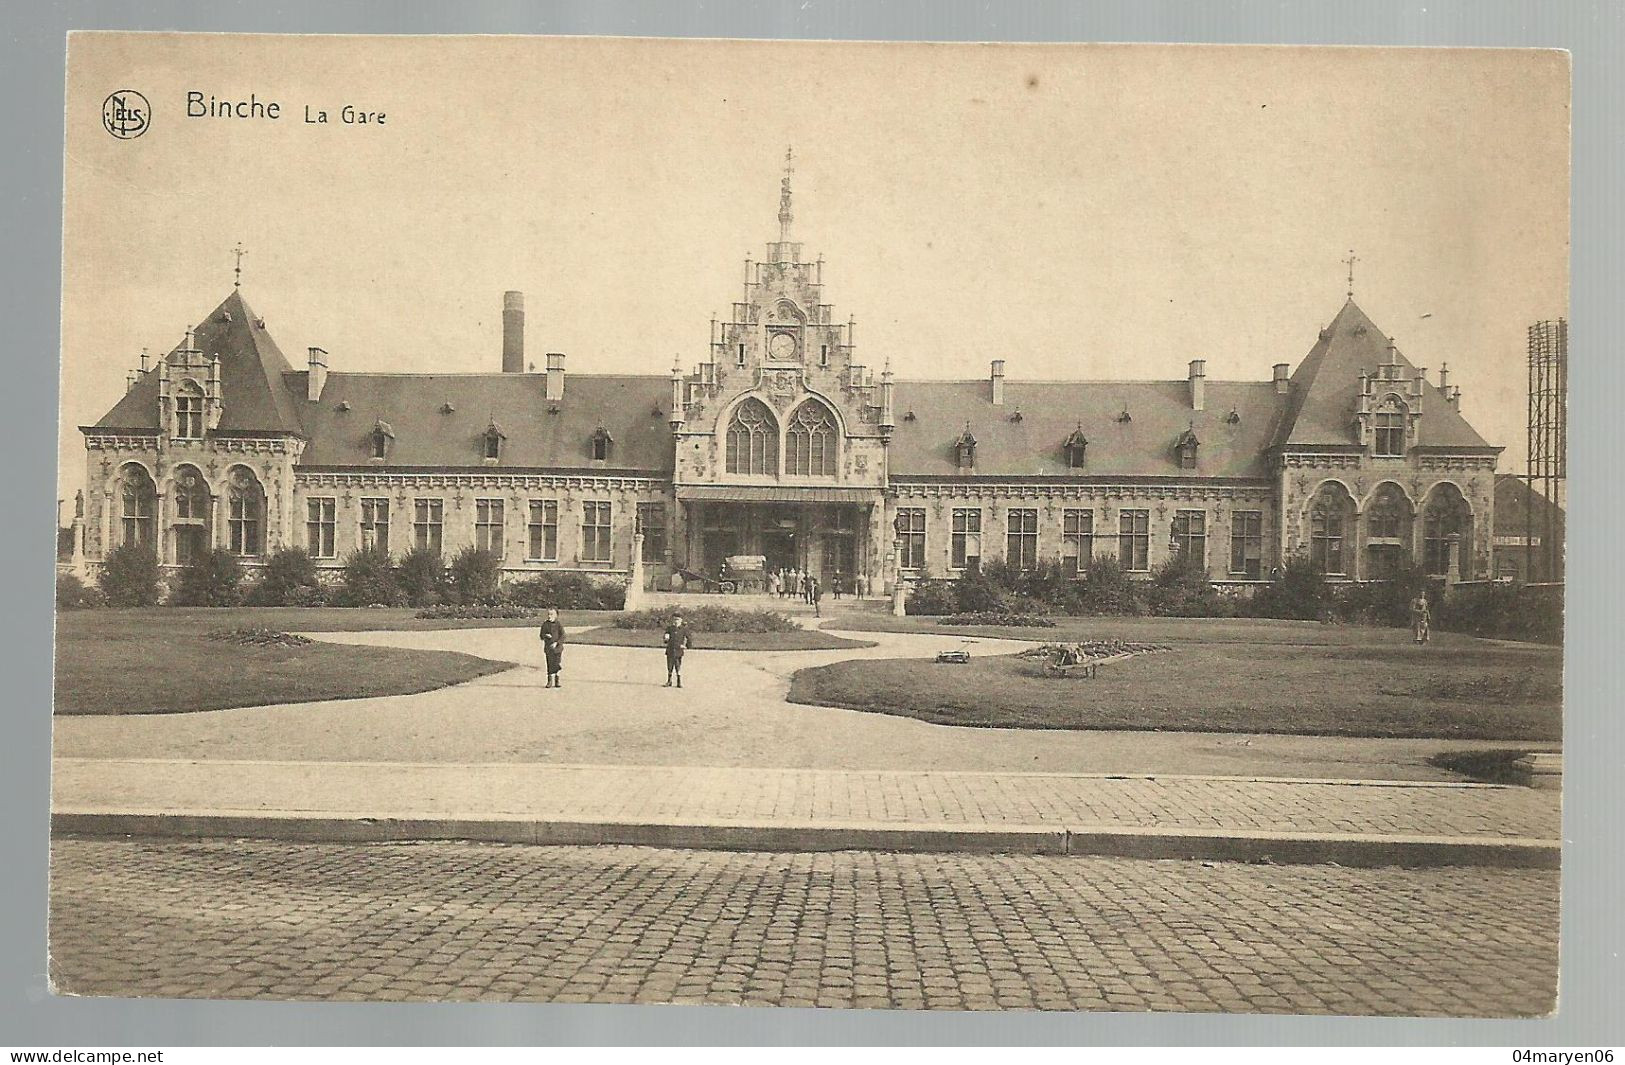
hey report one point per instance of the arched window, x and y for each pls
(191, 515)
(753, 440)
(1446, 516)
(246, 516)
(1328, 519)
(1390, 427)
(1387, 530)
(809, 448)
(138, 501)
(188, 412)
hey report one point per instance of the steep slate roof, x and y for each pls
(1516, 504)
(426, 436)
(1326, 388)
(1051, 411)
(252, 371)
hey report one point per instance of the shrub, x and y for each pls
(369, 579)
(74, 594)
(983, 589)
(129, 576)
(289, 580)
(1299, 593)
(422, 576)
(1180, 588)
(1503, 611)
(473, 611)
(567, 591)
(997, 617)
(709, 619)
(931, 597)
(1385, 602)
(1108, 589)
(475, 576)
(213, 579)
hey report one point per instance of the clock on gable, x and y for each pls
(781, 346)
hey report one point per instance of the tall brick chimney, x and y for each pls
(1198, 384)
(318, 375)
(555, 375)
(513, 332)
(996, 378)
(1283, 380)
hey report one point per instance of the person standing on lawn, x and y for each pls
(552, 634)
(815, 592)
(677, 639)
(1421, 618)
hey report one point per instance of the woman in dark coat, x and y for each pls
(552, 634)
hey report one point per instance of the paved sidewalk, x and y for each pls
(1371, 822)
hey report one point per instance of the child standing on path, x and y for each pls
(677, 639)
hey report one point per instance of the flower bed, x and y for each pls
(999, 617)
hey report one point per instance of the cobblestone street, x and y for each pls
(252, 919)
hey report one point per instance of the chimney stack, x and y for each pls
(1444, 378)
(513, 332)
(997, 378)
(1198, 383)
(555, 375)
(318, 375)
(1283, 384)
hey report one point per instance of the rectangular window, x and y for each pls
(1390, 435)
(652, 523)
(595, 542)
(543, 539)
(375, 524)
(741, 360)
(488, 525)
(1134, 539)
(244, 523)
(966, 539)
(1021, 540)
(911, 537)
(320, 526)
(1077, 540)
(428, 516)
(1247, 543)
(1326, 541)
(1190, 535)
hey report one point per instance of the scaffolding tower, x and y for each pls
(1548, 445)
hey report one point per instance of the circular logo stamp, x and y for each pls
(126, 114)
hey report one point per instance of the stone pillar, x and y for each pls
(77, 558)
(1452, 574)
(634, 580)
(899, 584)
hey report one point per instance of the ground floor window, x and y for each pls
(1190, 536)
(911, 538)
(321, 526)
(488, 525)
(652, 523)
(1326, 539)
(1021, 537)
(595, 540)
(375, 525)
(1077, 540)
(245, 519)
(543, 531)
(138, 523)
(965, 545)
(428, 519)
(1134, 539)
(1247, 543)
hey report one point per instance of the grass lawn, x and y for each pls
(161, 661)
(1221, 676)
(799, 640)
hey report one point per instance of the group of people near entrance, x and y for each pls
(676, 639)
(801, 584)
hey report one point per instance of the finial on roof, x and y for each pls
(239, 252)
(785, 214)
(143, 360)
(1349, 262)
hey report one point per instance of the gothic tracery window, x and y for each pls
(138, 500)
(245, 519)
(191, 515)
(1390, 428)
(1328, 518)
(810, 442)
(752, 445)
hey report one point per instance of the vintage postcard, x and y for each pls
(1020, 527)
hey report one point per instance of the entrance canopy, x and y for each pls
(749, 493)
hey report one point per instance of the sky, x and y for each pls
(1087, 212)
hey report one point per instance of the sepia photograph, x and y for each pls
(493, 564)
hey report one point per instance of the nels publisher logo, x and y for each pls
(126, 114)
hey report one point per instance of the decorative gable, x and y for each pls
(965, 450)
(1185, 448)
(1074, 447)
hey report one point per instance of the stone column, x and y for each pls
(1452, 574)
(899, 584)
(634, 580)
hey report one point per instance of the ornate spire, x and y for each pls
(1349, 262)
(785, 214)
(239, 252)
